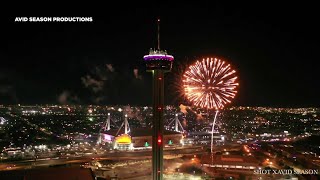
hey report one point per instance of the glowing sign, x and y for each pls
(107, 137)
(146, 144)
(123, 139)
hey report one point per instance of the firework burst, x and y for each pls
(210, 83)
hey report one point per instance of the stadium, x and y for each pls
(125, 138)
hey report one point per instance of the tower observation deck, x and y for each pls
(158, 59)
(158, 62)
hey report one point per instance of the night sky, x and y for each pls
(272, 46)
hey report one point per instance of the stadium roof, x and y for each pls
(139, 132)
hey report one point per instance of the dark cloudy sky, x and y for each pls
(272, 46)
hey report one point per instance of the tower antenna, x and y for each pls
(159, 34)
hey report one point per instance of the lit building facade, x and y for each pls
(139, 139)
(230, 162)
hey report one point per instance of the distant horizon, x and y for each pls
(49, 104)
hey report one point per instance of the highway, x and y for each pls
(120, 155)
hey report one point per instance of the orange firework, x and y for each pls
(210, 83)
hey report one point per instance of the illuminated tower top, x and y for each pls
(158, 59)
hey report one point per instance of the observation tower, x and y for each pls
(158, 62)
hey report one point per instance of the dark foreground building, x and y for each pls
(49, 174)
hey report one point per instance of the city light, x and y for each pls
(159, 140)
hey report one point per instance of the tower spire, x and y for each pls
(159, 34)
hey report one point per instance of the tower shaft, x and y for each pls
(157, 138)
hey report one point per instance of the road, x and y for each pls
(130, 155)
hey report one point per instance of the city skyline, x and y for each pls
(101, 62)
(277, 138)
